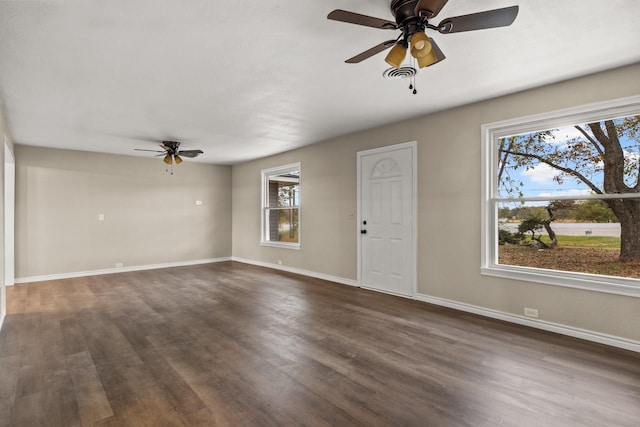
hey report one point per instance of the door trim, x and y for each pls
(413, 145)
(8, 195)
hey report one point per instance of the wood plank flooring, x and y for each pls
(230, 344)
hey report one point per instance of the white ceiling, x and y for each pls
(242, 80)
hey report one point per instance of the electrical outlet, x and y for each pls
(100, 217)
(531, 312)
(119, 265)
(279, 262)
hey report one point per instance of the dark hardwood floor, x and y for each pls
(233, 344)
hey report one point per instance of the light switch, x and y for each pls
(100, 217)
(198, 202)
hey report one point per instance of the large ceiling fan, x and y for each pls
(412, 18)
(171, 152)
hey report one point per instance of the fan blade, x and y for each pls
(369, 53)
(479, 21)
(190, 153)
(356, 18)
(433, 7)
(153, 151)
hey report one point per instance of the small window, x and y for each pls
(562, 198)
(281, 206)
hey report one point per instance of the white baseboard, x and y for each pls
(535, 323)
(486, 312)
(300, 271)
(482, 311)
(31, 279)
(1, 322)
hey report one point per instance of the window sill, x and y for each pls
(295, 246)
(608, 284)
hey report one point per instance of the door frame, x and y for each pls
(8, 194)
(413, 145)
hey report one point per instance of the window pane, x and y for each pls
(571, 160)
(282, 225)
(571, 235)
(579, 232)
(284, 189)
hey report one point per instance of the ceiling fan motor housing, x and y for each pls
(172, 145)
(405, 13)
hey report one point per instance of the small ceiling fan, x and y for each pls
(170, 152)
(412, 18)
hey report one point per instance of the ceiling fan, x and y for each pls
(412, 18)
(170, 152)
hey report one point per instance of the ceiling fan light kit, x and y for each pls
(412, 19)
(427, 60)
(420, 45)
(170, 152)
(396, 55)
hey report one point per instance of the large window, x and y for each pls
(562, 198)
(281, 206)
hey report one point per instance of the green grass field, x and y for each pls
(601, 242)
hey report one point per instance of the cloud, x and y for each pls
(563, 134)
(574, 192)
(541, 174)
(631, 156)
(568, 132)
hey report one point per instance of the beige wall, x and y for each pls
(449, 197)
(151, 217)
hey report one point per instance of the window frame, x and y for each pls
(264, 205)
(491, 133)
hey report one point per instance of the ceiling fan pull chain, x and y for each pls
(412, 79)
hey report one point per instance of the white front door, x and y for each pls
(387, 180)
